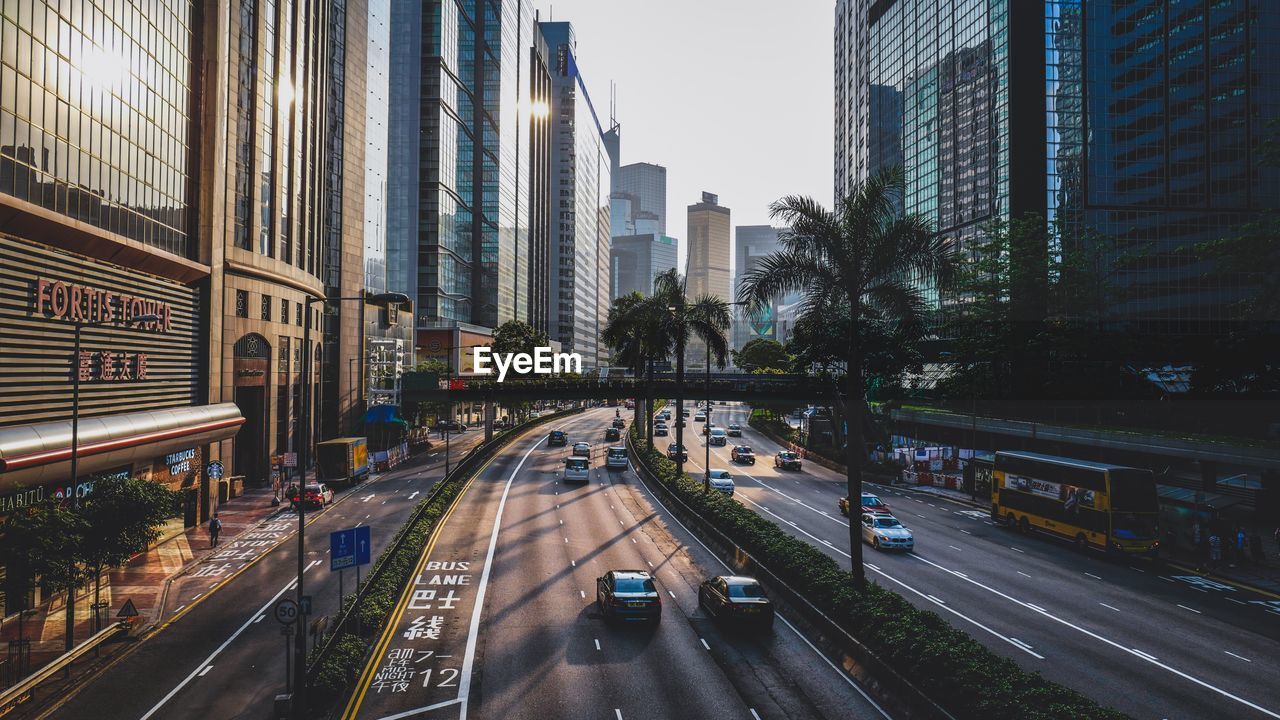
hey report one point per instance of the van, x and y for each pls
(577, 469)
(617, 458)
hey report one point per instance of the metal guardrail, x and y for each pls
(465, 467)
(880, 679)
(19, 691)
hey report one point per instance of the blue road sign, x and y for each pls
(342, 549)
(350, 547)
(364, 545)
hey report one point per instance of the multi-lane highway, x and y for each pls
(219, 654)
(501, 620)
(1153, 642)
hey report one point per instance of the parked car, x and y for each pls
(717, 437)
(628, 595)
(721, 480)
(558, 437)
(612, 434)
(673, 450)
(870, 504)
(577, 469)
(735, 430)
(314, 495)
(582, 449)
(787, 460)
(616, 459)
(736, 598)
(885, 532)
(742, 454)
(450, 426)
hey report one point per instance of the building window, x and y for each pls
(266, 307)
(242, 303)
(284, 310)
(298, 314)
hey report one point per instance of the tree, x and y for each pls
(122, 517)
(761, 353)
(515, 336)
(42, 540)
(867, 255)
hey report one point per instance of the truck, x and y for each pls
(343, 461)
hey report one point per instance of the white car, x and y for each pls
(617, 458)
(577, 469)
(717, 437)
(582, 449)
(735, 430)
(721, 480)
(885, 532)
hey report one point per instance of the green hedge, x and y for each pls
(956, 671)
(766, 422)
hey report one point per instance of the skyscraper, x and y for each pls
(646, 185)
(751, 243)
(579, 292)
(708, 260)
(1145, 146)
(459, 159)
(634, 261)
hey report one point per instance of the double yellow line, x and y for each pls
(366, 675)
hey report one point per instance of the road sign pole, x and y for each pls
(342, 575)
(357, 593)
(287, 630)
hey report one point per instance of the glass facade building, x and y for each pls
(646, 184)
(96, 110)
(634, 260)
(1135, 126)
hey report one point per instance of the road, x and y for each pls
(221, 655)
(501, 621)
(1153, 642)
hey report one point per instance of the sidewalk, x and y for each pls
(145, 580)
(1264, 577)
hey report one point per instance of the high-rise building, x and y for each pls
(1145, 146)
(541, 212)
(708, 261)
(460, 150)
(634, 260)
(751, 243)
(579, 293)
(646, 184)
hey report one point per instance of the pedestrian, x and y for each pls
(1215, 551)
(1255, 545)
(215, 529)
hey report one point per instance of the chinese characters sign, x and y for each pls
(109, 366)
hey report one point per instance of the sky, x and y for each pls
(733, 96)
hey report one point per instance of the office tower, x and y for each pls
(634, 260)
(708, 261)
(541, 199)
(458, 205)
(579, 293)
(1135, 126)
(751, 243)
(646, 184)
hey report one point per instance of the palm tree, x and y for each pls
(631, 332)
(872, 259)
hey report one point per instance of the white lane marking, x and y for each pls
(1109, 607)
(843, 675)
(618, 713)
(197, 597)
(1238, 602)
(953, 547)
(650, 564)
(566, 540)
(1095, 577)
(561, 522)
(220, 648)
(413, 494)
(1237, 656)
(260, 618)
(754, 716)
(1023, 574)
(1017, 549)
(597, 643)
(634, 541)
(1132, 651)
(1184, 607)
(178, 609)
(367, 498)
(704, 643)
(1037, 608)
(966, 532)
(1137, 568)
(1020, 643)
(919, 515)
(469, 658)
(936, 600)
(583, 593)
(206, 670)
(573, 563)
(673, 595)
(622, 523)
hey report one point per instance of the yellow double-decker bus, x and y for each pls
(1106, 507)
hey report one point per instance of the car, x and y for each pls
(742, 454)
(577, 469)
(870, 504)
(736, 598)
(628, 595)
(665, 414)
(616, 458)
(660, 423)
(735, 430)
(630, 404)
(557, 437)
(314, 494)
(721, 480)
(582, 449)
(700, 417)
(706, 429)
(684, 413)
(619, 423)
(717, 437)
(450, 426)
(886, 532)
(612, 434)
(673, 450)
(787, 460)
(660, 431)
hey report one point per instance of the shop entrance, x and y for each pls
(252, 359)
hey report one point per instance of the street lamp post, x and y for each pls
(304, 436)
(75, 446)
